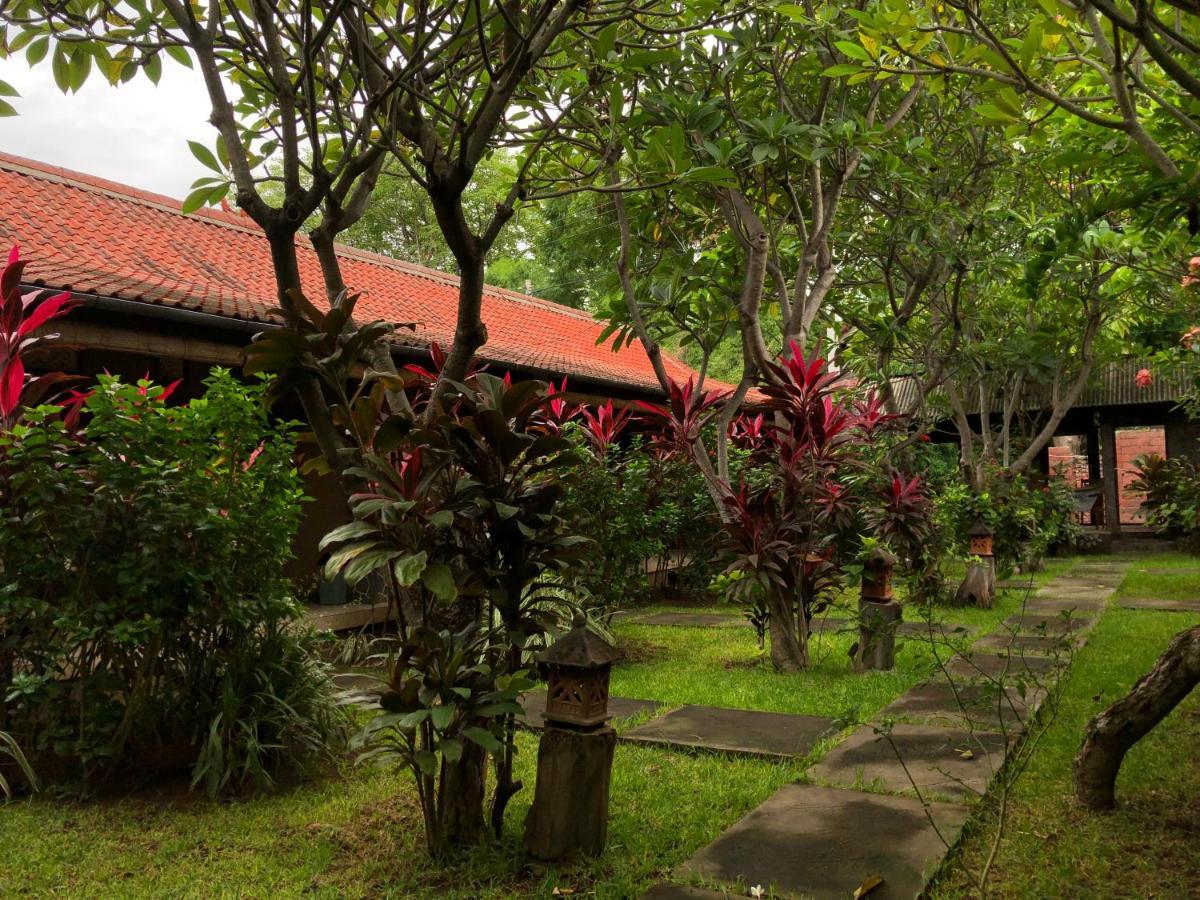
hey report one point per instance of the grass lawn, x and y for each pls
(357, 833)
(1146, 848)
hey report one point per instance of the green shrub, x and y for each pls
(1027, 520)
(1172, 504)
(638, 507)
(145, 615)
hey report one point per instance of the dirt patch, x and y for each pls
(639, 650)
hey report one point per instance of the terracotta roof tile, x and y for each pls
(100, 237)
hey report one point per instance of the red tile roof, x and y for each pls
(98, 237)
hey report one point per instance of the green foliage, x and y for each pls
(1027, 520)
(449, 701)
(1172, 489)
(454, 510)
(144, 608)
(637, 507)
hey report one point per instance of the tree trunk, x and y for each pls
(788, 654)
(1110, 735)
(460, 799)
(312, 400)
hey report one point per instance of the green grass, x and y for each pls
(357, 833)
(1052, 848)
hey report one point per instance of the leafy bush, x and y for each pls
(455, 508)
(145, 615)
(1027, 519)
(1172, 504)
(793, 514)
(637, 506)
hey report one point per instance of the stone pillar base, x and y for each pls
(569, 815)
(877, 624)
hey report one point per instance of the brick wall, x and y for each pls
(1132, 443)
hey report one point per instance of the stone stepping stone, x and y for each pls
(1046, 606)
(825, 843)
(822, 625)
(533, 709)
(1015, 584)
(735, 731)
(689, 620)
(1162, 605)
(995, 667)
(1047, 624)
(938, 702)
(950, 762)
(918, 629)
(1005, 641)
(665, 890)
(937, 630)
(1075, 591)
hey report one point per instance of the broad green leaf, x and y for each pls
(439, 580)
(204, 155)
(409, 568)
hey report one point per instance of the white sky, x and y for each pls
(136, 134)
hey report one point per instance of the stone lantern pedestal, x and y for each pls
(569, 815)
(979, 586)
(879, 615)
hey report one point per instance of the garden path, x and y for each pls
(877, 822)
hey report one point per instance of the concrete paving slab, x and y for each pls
(533, 709)
(1041, 644)
(936, 630)
(915, 629)
(949, 762)
(825, 843)
(689, 620)
(734, 731)
(995, 667)
(1032, 623)
(1046, 606)
(665, 890)
(938, 702)
(1163, 605)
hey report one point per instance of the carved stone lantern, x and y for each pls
(980, 539)
(878, 614)
(577, 668)
(569, 815)
(979, 585)
(877, 575)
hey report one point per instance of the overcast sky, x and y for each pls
(136, 134)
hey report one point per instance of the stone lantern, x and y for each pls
(980, 539)
(878, 614)
(569, 815)
(979, 586)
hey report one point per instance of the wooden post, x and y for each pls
(1108, 459)
(569, 815)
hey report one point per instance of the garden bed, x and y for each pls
(358, 832)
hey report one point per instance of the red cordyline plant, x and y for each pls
(21, 315)
(783, 526)
(681, 421)
(604, 426)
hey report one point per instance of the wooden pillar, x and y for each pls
(1108, 459)
(1093, 452)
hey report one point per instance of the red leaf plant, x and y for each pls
(21, 315)
(681, 421)
(784, 526)
(604, 426)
